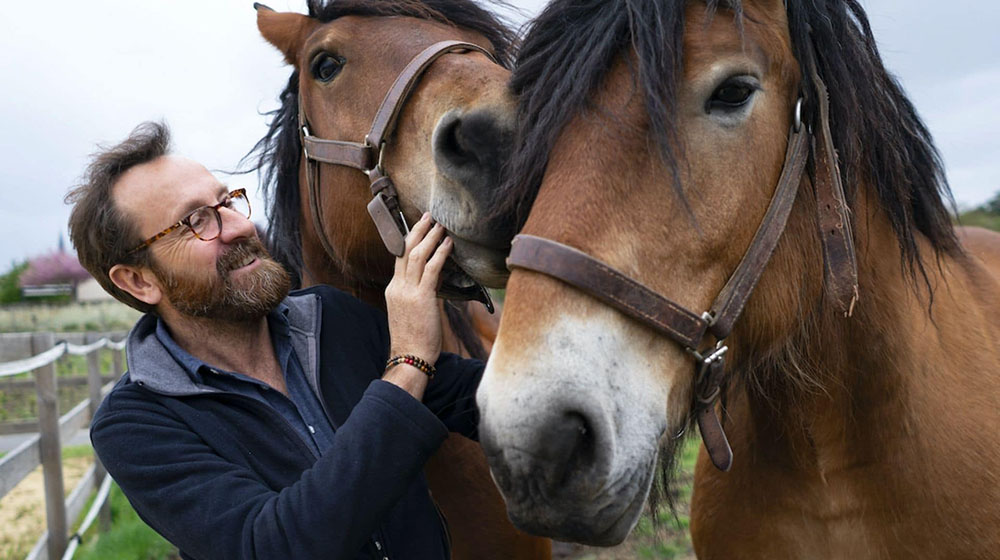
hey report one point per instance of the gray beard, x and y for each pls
(220, 297)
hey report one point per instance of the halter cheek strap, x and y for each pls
(367, 156)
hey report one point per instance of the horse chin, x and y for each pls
(605, 519)
(480, 264)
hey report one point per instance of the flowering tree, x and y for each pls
(56, 267)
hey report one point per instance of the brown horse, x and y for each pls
(442, 149)
(862, 380)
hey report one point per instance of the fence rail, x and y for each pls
(45, 448)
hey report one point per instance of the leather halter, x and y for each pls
(367, 156)
(689, 329)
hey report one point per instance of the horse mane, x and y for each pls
(569, 49)
(881, 140)
(276, 156)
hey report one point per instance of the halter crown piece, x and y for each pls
(691, 330)
(367, 156)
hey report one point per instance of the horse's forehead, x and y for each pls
(375, 34)
(761, 34)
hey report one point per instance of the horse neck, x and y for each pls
(826, 385)
(367, 292)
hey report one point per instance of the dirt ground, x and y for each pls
(22, 511)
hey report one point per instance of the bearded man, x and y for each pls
(252, 423)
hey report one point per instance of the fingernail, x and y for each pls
(426, 216)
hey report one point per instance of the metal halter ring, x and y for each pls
(798, 115)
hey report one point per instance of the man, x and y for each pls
(251, 424)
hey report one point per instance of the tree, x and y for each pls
(992, 205)
(10, 285)
(54, 268)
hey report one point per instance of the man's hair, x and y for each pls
(101, 232)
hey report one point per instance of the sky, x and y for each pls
(76, 74)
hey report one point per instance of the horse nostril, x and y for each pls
(454, 146)
(471, 148)
(567, 449)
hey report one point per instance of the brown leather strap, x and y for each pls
(392, 104)
(608, 285)
(335, 152)
(707, 394)
(312, 185)
(603, 282)
(840, 267)
(730, 302)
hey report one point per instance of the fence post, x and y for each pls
(116, 363)
(50, 450)
(94, 387)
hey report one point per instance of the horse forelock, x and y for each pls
(882, 142)
(277, 154)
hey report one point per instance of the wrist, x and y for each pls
(411, 360)
(407, 378)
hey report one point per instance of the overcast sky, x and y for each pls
(81, 72)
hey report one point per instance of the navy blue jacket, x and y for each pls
(222, 475)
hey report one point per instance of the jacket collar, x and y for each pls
(152, 366)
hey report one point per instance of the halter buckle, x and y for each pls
(379, 167)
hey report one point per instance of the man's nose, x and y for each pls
(235, 225)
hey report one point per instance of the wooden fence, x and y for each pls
(45, 448)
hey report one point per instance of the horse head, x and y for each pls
(656, 138)
(443, 139)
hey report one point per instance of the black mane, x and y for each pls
(276, 155)
(571, 46)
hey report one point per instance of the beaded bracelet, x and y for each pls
(410, 359)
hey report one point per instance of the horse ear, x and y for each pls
(284, 30)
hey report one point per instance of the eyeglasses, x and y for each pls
(205, 222)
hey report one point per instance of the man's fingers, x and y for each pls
(432, 271)
(422, 252)
(417, 233)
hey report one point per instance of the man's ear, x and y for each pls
(285, 30)
(140, 282)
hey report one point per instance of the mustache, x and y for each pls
(240, 253)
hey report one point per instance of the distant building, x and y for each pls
(91, 291)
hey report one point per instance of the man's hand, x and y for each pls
(411, 301)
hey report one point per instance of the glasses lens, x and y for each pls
(205, 223)
(239, 203)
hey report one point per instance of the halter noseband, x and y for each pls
(367, 156)
(689, 329)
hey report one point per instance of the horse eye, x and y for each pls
(732, 94)
(326, 67)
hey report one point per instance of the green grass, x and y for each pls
(68, 317)
(980, 218)
(129, 538)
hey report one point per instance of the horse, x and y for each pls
(434, 144)
(755, 160)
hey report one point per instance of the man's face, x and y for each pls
(229, 278)
(221, 294)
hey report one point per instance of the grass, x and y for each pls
(101, 316)
(129, 539)
(980, 218)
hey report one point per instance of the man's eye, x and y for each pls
(197, 220)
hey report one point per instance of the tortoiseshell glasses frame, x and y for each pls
(205, 222)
